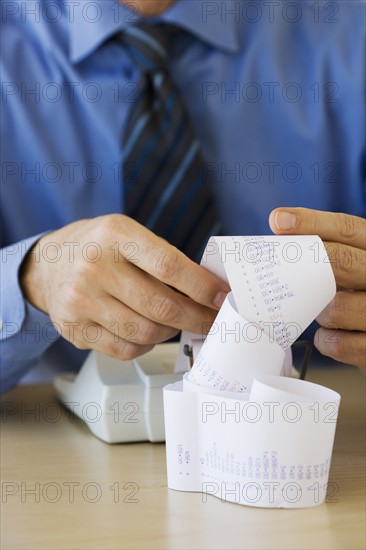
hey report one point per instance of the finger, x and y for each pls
(128, 325)
(330, 226)
(346, 311)
(91, 335)
(156, 301)
(169, 265)
(348, 264)
(109, 343)
(343, 346)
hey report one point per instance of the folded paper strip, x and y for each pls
(237, 426)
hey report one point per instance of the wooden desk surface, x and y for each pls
(116, 496)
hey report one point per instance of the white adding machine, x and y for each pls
(121, 401)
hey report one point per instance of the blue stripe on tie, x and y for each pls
(187, 200)
(174, 183)
(170, 152)
(158, 79)
(168, 111)
(132, 176)
(141, 123)
(147, 38)
(143, 60)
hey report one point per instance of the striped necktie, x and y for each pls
(163, 170)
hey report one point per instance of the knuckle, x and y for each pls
(165, 310)
(347, 227)
(72, 301)
(350, 350)
(84, 270)
(108, 227)
(201, 290)
(340, 345)
(148, 333)
(167, 264)
(348, 259)
(116, 322)
(124, 350)
(308, 218)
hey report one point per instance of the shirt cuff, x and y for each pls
(25, 331)
(13, 304)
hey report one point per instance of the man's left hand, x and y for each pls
(342, 334)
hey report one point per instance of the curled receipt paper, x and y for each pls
(237, 426)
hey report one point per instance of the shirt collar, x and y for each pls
(92, 23)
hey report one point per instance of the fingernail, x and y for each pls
(220, 299)
(285, 220)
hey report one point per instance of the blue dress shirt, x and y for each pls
(275, 90)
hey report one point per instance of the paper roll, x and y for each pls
(236, 427)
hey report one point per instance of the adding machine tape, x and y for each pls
(236, 426)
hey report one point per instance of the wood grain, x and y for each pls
(132, 506)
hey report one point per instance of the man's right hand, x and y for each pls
(110, 284)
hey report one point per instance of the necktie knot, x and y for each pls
(147, 45)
